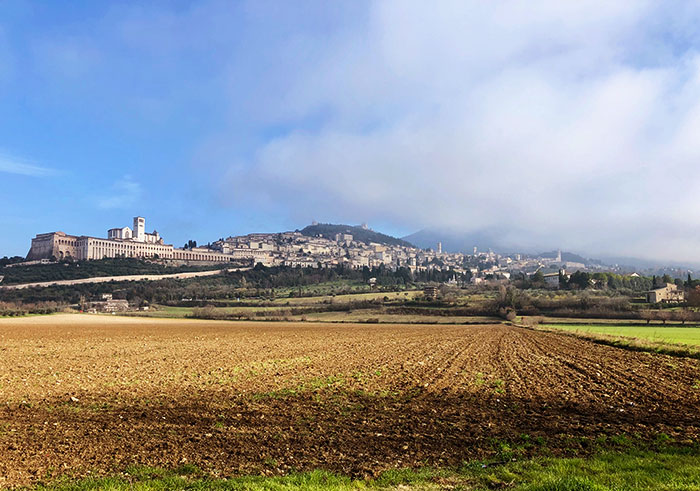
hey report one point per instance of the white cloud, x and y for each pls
(13, 165)
(124, 193)
(573, 124)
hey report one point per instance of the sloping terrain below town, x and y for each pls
(89, 394)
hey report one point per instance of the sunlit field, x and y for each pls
(100, 395)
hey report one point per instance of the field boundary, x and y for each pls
(315, 321)
(621, 324)
(493, 321)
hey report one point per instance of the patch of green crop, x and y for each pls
(677, 335)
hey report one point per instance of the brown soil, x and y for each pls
(95, 394)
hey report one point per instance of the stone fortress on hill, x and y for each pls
(120, 242)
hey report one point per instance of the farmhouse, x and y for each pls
(430, 292)
(551, 280)
(108, 304)
(667, 294)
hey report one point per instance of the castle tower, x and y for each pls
(139, 233)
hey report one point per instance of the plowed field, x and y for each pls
(86, 394)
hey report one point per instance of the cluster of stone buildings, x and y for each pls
(296, 249)
(291, 249)
(278, 249)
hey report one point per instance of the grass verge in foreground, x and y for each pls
(666, 469)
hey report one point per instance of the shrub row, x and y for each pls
(12, 309)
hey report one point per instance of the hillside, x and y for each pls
(328, 230)
(89, 269)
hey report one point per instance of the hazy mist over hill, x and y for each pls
(568, 123)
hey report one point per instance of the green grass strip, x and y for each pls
(667, 469)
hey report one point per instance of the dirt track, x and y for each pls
(270, 397)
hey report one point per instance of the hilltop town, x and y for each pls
(308, 248)
(315, 246)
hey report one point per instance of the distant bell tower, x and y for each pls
(439, 248)
(139, 229)
(559, 256)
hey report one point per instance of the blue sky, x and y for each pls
(105, 106)
(568, 125)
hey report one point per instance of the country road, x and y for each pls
(132, 277)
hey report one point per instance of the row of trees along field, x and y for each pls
(258, 282)
(614, 300)
(581, 280)
(10, 309)
(593, 304)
